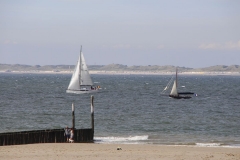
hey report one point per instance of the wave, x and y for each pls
(208, 144)
(144, 139)
(129, 139)
(96, 82)
(217, 145)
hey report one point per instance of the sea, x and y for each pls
(128, 109)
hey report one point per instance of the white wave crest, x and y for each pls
(217, 145)
(129, 139)
(208, 144)
(96, 82)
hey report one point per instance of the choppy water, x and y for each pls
(129, 108)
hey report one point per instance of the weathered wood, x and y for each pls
(73, 116)
(44, 136)
(92, 114)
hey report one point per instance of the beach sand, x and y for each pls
(109, 152)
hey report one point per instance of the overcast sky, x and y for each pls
(190, 33)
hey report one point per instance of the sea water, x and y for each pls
(128, 108)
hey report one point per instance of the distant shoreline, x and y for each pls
(126, 73)
(123, 69)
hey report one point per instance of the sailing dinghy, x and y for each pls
(174, 92)
(81, 81)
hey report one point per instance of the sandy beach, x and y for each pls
(110, 151)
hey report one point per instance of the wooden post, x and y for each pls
(73, 116)
(92, 113)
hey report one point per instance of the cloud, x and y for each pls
(140, 47)
(133, 46)
(121, 46)
(9, 42)
(217, 46)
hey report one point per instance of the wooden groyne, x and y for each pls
(44, 136)
(50, 135)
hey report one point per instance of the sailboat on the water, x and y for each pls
(81, 81)
(174, 92)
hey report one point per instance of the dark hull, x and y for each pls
(185, 93)
(180, 97)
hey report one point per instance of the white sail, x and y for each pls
(174, 91)
(74, 83)
(81, 81)
(85, 78)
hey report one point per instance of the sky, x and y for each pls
(185, 33)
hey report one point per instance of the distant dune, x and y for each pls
(118, 68)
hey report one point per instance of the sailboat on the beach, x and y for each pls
(81, 81)
(174, 92)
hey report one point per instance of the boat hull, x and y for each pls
(180, 97)
(81, 91)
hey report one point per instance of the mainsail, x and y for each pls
(85, 78)
(174, 91)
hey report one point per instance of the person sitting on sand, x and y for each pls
(67, 133)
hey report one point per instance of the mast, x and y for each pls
(80, 66)
(176, 77)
